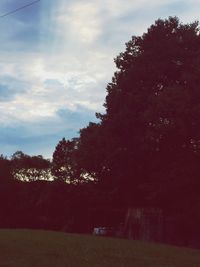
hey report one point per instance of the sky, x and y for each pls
(56, 58)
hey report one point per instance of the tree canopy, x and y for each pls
(65, 166)
(29, 168)
(150, 132)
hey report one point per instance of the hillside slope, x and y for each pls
(30, 248)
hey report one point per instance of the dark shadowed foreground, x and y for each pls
(30, 248)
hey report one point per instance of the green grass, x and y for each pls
(29, 248)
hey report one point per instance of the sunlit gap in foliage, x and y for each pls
(33, 174)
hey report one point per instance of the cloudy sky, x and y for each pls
(56, 58)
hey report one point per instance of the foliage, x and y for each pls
(5, 170)
(90, 143)
(64, 164)
(150, 132)
(30, 168)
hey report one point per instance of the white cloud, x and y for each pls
(87, 35)
(71, 66)
(84, 21)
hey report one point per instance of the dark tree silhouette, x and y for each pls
(91, 142)
(30, 168)
(64, 164)
(5, 170)
(150, 133)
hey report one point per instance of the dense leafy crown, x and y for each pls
(150, 132)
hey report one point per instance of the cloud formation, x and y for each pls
(56, 58)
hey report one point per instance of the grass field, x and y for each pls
(29, 248)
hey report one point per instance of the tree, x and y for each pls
(151, 127)
(64, 165)
(5, 170)
(153, 92)
(30, 168)
(91, 142)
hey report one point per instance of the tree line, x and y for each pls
(145, 148)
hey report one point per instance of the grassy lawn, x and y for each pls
(29, 248)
